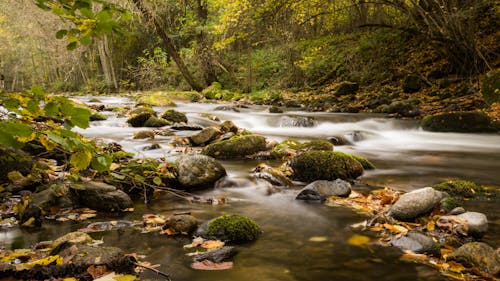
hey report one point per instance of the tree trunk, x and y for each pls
(169, 45)
(203, 51)
(105, 64)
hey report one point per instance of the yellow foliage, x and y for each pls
(358, 240)
(45, 261)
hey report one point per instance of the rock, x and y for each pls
(218, 255)
(318, 145)
(401, 108)
(97, 117)
(415, 203)
(174, 116)
(297, 121)
(367, 165)
(138, 120)
(459, 188)
(339, 141)
(198, 171)
(151, 147)
(141, 110)
(156, 122)
(491, 87)
(83, 256)
(449, 203)
(322, 189)
(72, 237)
(275, 109)
(469, 223)
(416, 242)
(184, 224)
(457, 211)
(233, 228)
(101, 196)
(459, 121)
(412, 84)
(235, 147)
(186, 127)
(325, 165)
(227, 108)
(346, 88)
(228, 127)
(144, 135)
(13, 160)
(478, 254)
(205, 136)
(271, 175)
(227, 182)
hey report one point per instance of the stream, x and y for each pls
(405, 156)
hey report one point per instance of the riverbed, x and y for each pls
(300, 241)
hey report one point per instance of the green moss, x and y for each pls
(97, 117)
(156, 122)
(215, 92)
(233, 228)
(94, 100)
(325, 165)
(144, 135)
(13, 160)
(346, 88)
(174, 116)
(457, 122)
(318, 145)
(461, 188)
(236, 147)
(155, 99)
(367, 165)
(142, 109)
(449, 203)
(139, 119)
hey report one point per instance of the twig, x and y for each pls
(154, 270)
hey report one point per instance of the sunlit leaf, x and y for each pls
(80, 159)
(102, 163)
(318, 239)
(212, 244)
(157, 180)
(358, 240)
(118, 176)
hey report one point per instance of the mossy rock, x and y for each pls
(139, 120)
(478, 254)
(412, 84)
(325, 165)
(155, 122)
(236, 147)
(491, 87)
(233, 228)
(174, 116)
(318, 145)
(213, 91)
(459, 121)
(346, 88)
(461, 188)
(94, 100)
(367, 165)
(14, 160)
(144, 135)
(142, 109)
(155, 99)
(97, 117)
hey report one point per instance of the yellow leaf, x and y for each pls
(212, 244)
(318, 239)
(431, 225)
(126, 277)
(80, 159)
(48, 144)
(358, 240)
(45, 261)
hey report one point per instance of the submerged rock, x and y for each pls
(72, 237)
(205, 136)
(339, 140)
(236, 147)
(415, 203)
(101, 196)
(460, 121)
(198, 171)
(478, 254)
(233, 228)
(184, 224)
(271, 175)
(297, 121)
(325, 165)
(322, 189)
(416, 242)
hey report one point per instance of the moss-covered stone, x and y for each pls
(235, 147)
(461, 188)
(140, 110)
(13, 160)
(478, 254)
(318, 145)
(174, 116)
(156, 122)
(491, 87)
(325, 165)
(367, 165)
(97, 117)
(462, 122)
(449, 203)
(144, 135)
(233, 228)
(346, 88)
(155, 99)
(139, 120)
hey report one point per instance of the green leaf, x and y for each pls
(15, 134)
(80, 159)
(51, 109)
(80, 117)
(71, 46)
(86, 40)
(87, 13)
(157, 180)
(139, 178)
(61, 33)
(118, 176)
(37, 91)
(102, 163)
(58, 139)
(9, 140)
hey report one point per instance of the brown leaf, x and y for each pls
(97, 271)
(209, 265)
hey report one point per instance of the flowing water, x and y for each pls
(406, 158)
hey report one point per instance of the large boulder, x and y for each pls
(140, 119)
(325, 165)
(198, 171)
(174, 116)
(320, 190)
(205, 136)
(101, 196)
(416, 203)
(236, 147)
(460, 121)
(480, 255)
(233, 228)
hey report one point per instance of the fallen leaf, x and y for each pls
(212, 244)
(358, 240)
(209, 265)
(413, 257)
(97, 271)
(318, 239)
(169, 231)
